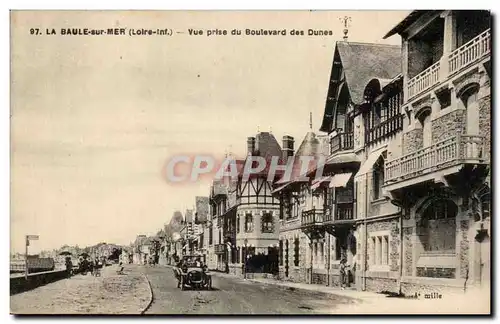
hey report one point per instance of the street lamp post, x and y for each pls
(245, 259)
(28, 238)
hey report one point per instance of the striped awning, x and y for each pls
(340, 180)
(317, 183)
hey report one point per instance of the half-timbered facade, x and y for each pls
(252, 218)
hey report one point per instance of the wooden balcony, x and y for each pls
(452, 152)
(341, 142)
(312, 217)
(467, 54)
(424, 80)
(386, 128)
(342, 212)
(470, 52)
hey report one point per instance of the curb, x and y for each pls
(151, 294)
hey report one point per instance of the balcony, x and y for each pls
(465, 55)
(386, 128)
(342, 212)
(470, 52)
(424, 80)
(453, 151)
(312, 217)
(341, 142)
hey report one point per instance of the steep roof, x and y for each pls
(266, 145)
(363, 62)
(201, 209)
(189, 216)
(312, 145)
(407, 21)
(309, 145)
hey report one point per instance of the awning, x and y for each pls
(343, 158)
(370, 161)
(317, 183)
(340, 180)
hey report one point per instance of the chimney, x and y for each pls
(287, 147)
(251, 145)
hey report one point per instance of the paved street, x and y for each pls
(235, 296)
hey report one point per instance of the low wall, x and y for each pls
(19, 283)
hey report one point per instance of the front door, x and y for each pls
(485, 262)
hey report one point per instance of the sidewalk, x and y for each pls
(108, 294)
(375, 303)
(360, 296)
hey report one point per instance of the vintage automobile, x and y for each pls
(193, 274)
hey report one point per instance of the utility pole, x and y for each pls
(26, 258)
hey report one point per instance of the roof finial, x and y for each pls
(270, 129)
(346, 20)
(311, 120)
(258, 129)
(230, 150)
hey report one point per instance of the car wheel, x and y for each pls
(182, 284)
(209, 286)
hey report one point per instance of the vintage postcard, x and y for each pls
(250, 162)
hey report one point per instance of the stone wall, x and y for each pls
(412, 141)
(394, 239)
(382, 285)
(408, 251)
(294, 274)
(464, 248)
(449, 125)
(485, 123)
(408, 288)
(319, 278)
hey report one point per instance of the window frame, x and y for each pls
(379, 258)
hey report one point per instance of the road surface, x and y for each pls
(234, 296)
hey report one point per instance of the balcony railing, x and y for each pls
(470, 52)
(312, 217)
(460, 58)
(341, 142)
(386, 128)
(452, 151)
(424, 80)
(344, 212)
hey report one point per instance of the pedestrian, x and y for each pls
(69, 266)
(343, 273)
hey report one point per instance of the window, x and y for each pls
(469, 98)
(378, 178)
(338, 249)
(281, 252)
(379, 250)
(486, 206)
(296, 252)
(267, 223)
(438, 227)
(425, 122)
(238, 251)
(237, 224)
(210, 235)
(234, 254)
(248, 223)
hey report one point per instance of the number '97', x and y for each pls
(35, 31)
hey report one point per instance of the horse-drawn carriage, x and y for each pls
(193, 272)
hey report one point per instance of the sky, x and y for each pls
(94, 119)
